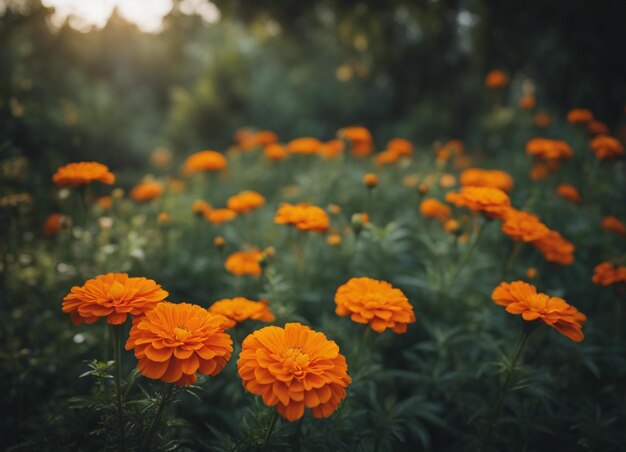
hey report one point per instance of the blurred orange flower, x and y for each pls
(240, 309)
(305, 217)
(548, 149)
(114, 296)
(542, 119)
(596, 127)
(539, 171)
(403, 147)
(433, 208)
(569, 192)
(523, 226)
(522, 298)
(146, 191)
(219, 216)
(161, 157)
(606, 147)
(200, 207)
(490, 201)
(613, 224)
(175, 341)
(606, 274)
(370, 180)
(476, 177)
(82, 173)
(331, 149)
(246, 201)
(496, 79)
(579, 116)
(53, 224)
(244, 263)
(333, 239)
(204, 161)
(275, 152)
(362, 143)
(375, 302)
(527, 102)
(305, 146)
(387, 157)
(105, 202)
(555, 248)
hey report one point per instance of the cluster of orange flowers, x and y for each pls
(613, 224)
(607, 274)
(359, 138)
(304, 217)
(493, 202)
(606, 147)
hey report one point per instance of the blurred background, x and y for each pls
(111, 80)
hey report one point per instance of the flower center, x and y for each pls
(181, 333)
(296, 360)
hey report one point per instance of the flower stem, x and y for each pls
(271, 428)
(515, 250)
(117, 356)
(468, 253)
(165, 397)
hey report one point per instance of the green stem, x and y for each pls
(165, 397)
(466, 257)
(359, 345)
(271, 428)
(515, 250)
(117, 356)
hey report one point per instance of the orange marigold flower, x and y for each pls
(387, 157)
(496, 79)
(370, 180)
(375, 302)
(244, 263)
(403, 147)
(204, 161)
(146, 191)
(292, 368)
(476, 177)
(527, 102)
(569, 192)
(219, 242)
(606, 274)
(523, 226)
(200, 207)
(362, 143)
(522, 298)
(452, 226)
(549, 149)
(219, 216)
(240, 309)
(53, 224)
(613, 224)
(105, 202)
(305, 217)
(606, 147)
(264, 138)
(331, 149)
(579, 116)
(539, 171)
(305, 146)
(490, 201)
(275, 152)
(447, 180)
(246, 201)
(82, 173)
(555, 248)
(113, 296)
(333, 240)
(596, 127)
(543, 119)
(175, 341)
(433, 208)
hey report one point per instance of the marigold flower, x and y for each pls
(613, 224)
(522, 298)
(523, 226)
(113, 296)
(362, 143)
(146, 191)
(264, 138)
(539, 171)
(447, 180)
(375, 302)
(245, 202)
(543, 119)
(606, 274)
(490, 201)
(305, 217)
(240, 309)
(452, 226)
(200, 207)
(333, 240)
(496, 79)
(275, 152)
(387, 157)
(292, 368)
(569, 192)
(82, 173)
(476, 177)
(219, 216)
(219, 242)
(331, 149)
(105, 202)
(579, 116)
(433, 208)
(549, 149)
(304, 146)
(204, 161)
(555, 248)
(527, 102)
(175, 341)
(403, 147)
(370, 180)
(596, 127)
(606, 147)
(53, 224)
(244, 263)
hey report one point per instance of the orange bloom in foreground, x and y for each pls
(360, 138)
(555, 248)
(613, 224)
(53, 224)
(275, 152)
(175, 341)
(403, 147)
(239, 309)
(569, 192)
(496, 79)
(113, 296)
(579, 116)
(476, 177)
(219, 216)
(522, 298)
(303, 216)
(245, 202)
(433, 208)
(606, 147)
(523, 226)
(292, 368)
(82, 173)
(204, 161)
(146, 191)
(244, 263)
(605, 274)
(491, 201)
(375, 302)
(305, 146)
